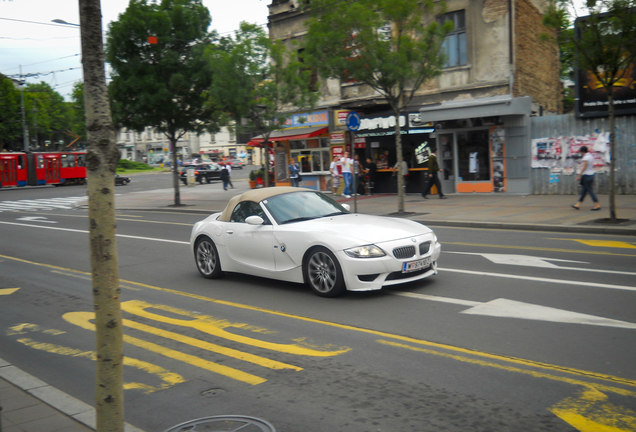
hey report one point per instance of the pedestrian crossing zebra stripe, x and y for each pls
(41, 204)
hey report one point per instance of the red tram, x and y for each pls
(32, 169)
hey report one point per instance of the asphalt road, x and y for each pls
(519, 331)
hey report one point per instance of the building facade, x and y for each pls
(499, 74)
(153, 147)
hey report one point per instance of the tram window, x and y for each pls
(21, 162)
(40, 161)
(68, 161)
(80, 160)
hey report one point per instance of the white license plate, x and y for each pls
(416, 265)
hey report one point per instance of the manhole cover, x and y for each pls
(228, 423)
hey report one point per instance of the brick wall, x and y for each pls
(536, 61)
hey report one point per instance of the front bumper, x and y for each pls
(366, 274)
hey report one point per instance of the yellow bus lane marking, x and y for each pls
(82, 319)
(602, 243)
(590, 411)
(536, 248)
(8, 291)
(216, 327)
(168, 378)
(549, 371)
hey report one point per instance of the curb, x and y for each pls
(66, 404)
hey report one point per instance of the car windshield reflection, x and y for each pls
(302, 206)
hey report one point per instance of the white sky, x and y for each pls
(29, 39)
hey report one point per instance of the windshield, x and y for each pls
(299, 206)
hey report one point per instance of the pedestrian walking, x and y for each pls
(369, 175)
(586, 178)
(228, 166)
(225, 176)
(433, 179)
(335, 174)
(347, 175)
(294, 169)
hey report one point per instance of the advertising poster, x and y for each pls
(563, 153)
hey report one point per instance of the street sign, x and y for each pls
(353, 121)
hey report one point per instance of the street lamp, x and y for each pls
(61, 21)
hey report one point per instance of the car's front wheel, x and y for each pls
(323, 273)
(207, 258)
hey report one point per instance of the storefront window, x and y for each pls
(314, 160)
(473, 150)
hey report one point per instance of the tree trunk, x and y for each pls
(266, 162)
(101, 163)
(612, 127)
(175, 170)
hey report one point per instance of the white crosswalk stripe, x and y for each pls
(41, 204)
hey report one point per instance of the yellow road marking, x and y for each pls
(8, 291)
(590, 411)
(210, 325)
(602, 243)
(530, 363)
(82, 319)
(538, 249)
(169, 378)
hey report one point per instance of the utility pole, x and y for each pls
(25, 130)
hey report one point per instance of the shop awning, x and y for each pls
(479, 107)
(289, 134)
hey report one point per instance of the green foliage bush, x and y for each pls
(125, 164)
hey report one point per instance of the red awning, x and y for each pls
(287, 135)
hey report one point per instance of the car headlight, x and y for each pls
(368, 251)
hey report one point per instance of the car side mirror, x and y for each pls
(254, 220)
(347, 207)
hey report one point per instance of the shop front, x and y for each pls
(483, 144)
(378, 134)
(305, 139)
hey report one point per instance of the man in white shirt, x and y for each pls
(335, 174)
(347, 174)
(586, 177)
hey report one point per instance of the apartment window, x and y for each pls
(455, 43)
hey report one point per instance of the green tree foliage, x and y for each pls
(258, 80)
(604, 44)
(10, 115)
(47, 115)
(78, 113)
(161, 84)
(392, 46)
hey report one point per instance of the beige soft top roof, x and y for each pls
(257, 195)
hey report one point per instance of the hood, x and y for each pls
(359, 229)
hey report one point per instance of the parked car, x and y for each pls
(305, 236)
(121, 180)
(207, 172)
(238, 164)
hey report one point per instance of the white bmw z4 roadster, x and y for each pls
(301, 235)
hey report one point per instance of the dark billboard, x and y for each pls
(591, 96)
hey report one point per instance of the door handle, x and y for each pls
(229, 232)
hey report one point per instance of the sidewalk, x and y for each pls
(31, 405)
(523, 212)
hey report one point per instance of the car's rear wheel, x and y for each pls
(323, 273)
(207, 258)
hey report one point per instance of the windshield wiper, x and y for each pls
(334, 214)
(299, 219)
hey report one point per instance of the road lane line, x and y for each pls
(504, 358)
(169, 378)
(82, 319)
(229, 352)
(536, 248)
(538, 279)
(534, 373)
(87, 232)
